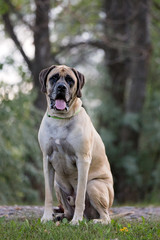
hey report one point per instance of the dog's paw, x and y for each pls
(46, 218)
(105, 221)
(76, 220)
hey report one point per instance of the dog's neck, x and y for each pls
(73, 110)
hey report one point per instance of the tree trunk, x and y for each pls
(118, 66)
(127, 30)
(116, 31)
(42, 46)
(140, 53)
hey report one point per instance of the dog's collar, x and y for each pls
(55, 117)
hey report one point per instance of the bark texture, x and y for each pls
(42, 45)
(127, 58)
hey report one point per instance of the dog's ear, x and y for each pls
(43, 77)
(80, 81)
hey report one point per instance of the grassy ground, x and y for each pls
(117, 230)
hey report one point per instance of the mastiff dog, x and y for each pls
(74, 158)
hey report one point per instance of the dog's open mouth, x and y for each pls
(60, 104)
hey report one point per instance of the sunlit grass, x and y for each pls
(34, 229)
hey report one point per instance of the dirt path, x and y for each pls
(27, 212)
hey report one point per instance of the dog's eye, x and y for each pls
(54, 79)
(69, 80)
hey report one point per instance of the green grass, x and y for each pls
(119, 230)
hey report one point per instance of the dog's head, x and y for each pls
(62, 85)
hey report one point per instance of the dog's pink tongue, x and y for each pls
(60, 104)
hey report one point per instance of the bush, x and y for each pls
(21, 165)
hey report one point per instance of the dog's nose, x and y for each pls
(61, 87)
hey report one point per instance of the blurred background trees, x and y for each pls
(116, 45)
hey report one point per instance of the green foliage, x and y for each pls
(3, 7)
(20, 163)
(110, 121)
(76, 18)
(141, 168)
(149, 151)
(33, 229)
(131, 120)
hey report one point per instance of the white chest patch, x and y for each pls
(57, 141)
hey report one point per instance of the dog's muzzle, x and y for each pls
(59, 99)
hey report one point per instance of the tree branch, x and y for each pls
(97, 44)
(10, 30)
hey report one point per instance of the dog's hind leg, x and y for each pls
(100, 193)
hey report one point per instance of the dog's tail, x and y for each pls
(120, 215)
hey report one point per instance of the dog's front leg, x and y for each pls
(83, 168)
(49, 179)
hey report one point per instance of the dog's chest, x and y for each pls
(56, 140)
(62, 156)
